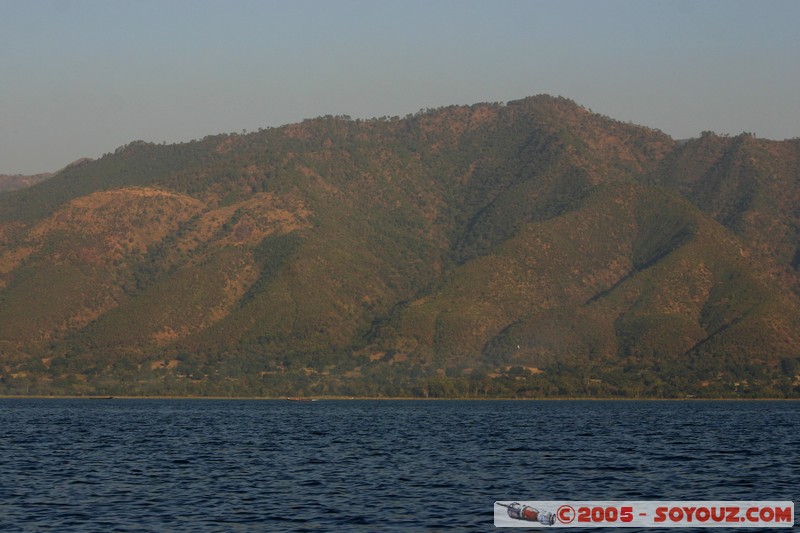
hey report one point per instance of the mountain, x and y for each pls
(524, 249)
(12, 182)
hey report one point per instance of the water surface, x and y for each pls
(212, 465)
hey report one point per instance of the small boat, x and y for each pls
(101, 397)
(302, 400)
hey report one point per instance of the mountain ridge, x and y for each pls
(531, 248)
(13, 182)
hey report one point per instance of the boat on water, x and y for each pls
(302, 400)
(101, 397)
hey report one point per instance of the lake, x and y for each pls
(358, 465)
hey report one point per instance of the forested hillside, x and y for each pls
(525, 249)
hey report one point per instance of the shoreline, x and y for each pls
(384, 398)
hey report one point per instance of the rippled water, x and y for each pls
(197, 465)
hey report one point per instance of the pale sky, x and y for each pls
(78, 78)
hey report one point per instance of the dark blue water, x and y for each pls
(192, 465)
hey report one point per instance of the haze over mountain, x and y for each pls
(524, 249)
(12, 182)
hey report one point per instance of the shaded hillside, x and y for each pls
(751, 186)
(635, 282)
(531, 248)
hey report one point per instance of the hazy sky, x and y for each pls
(79, 78)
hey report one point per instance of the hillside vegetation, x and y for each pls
(527, 249)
